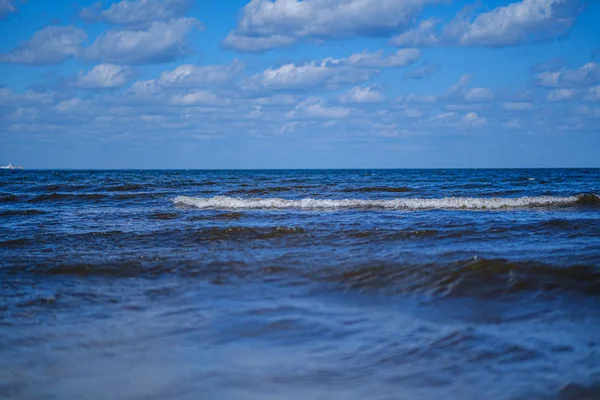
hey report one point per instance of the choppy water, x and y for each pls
(371, 284)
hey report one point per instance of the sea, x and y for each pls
(300, 284)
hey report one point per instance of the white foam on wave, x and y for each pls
(447, 203)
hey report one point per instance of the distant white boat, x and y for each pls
(10, 166)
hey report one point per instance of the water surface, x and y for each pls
(360, 284)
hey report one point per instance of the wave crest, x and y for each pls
(447, 203)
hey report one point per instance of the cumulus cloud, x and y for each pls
(522, 22)
(459, 86)
(378, 59)
(587, 75)
(316, 74)
(424, 72)
(51, 45)
(200, 75)
(134, 12)
(105, 76)
(256, 44)
(143, 90)
(424, 35)
(265, 24)
(330, 73)
(198, 98)
(363, 95)
(160, 42)
(460, 91)
(317, 109)
(472, 118)
(479, 94)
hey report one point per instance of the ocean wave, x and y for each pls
(470, 278)
(267, 190)
(15, 242)
(93, 197)
(8, 198)
(66, 196)
(126, 187)
(447, 203)
(29, 212)
(377, 189)
(477, 277)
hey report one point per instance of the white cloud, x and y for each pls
(105, 76)
(459, 91)
(143, 90)
(451, 118)
(589, 112)
(517, 106)
(424, 72)
(412, 113)
(390, 130)
(51, 45)
(317, 109)
(24, 114)
(9, 98)
(472, 118)
(378, 59)
(479, 94)
(362, 95)
(275, 100)
(444, 117)
(321, 75)
(288, 127)
(7, 7)
(521, 22)
(198, 98)
(256, 44)
(132, 12)
(512, 124)
(462, 107)
(587, 75)
(160, 42)
(417, 98)
(70, 105)
(330, 73)
(593, 94)
(561, 95)
(311, 75)
(281, 22)
(422, 36)
(459, 86)
(199, 75)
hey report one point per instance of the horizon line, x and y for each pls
(294, 169)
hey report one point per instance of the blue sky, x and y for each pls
(299, 83)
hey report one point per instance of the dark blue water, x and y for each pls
(362, 284)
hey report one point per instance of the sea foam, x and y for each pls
(447, 203)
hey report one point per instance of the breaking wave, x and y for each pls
(447, 203)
